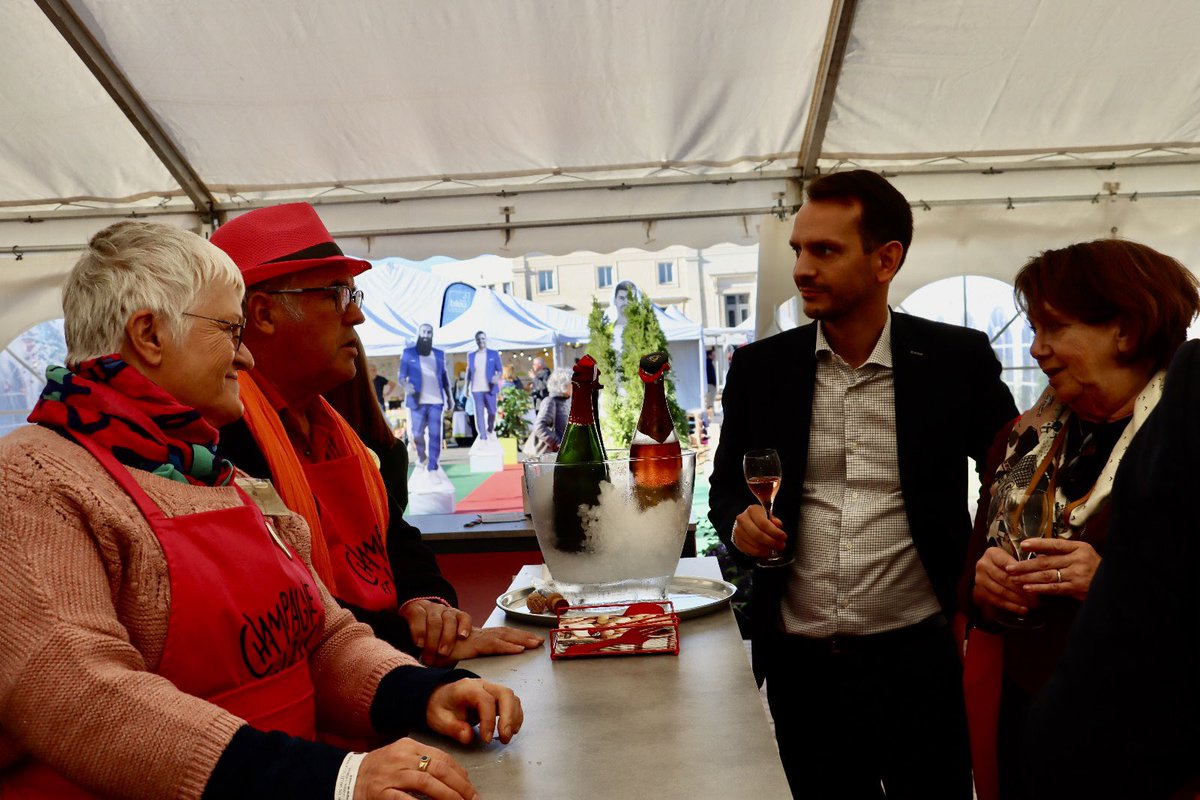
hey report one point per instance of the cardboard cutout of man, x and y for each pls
(623, 293)
(424, 369)
(483, 378)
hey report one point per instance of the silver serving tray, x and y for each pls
(692, 597)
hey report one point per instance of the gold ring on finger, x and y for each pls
(423, 764)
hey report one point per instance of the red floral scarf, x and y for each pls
(122, 410)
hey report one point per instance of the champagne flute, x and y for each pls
(763, 475)
(1025, 518)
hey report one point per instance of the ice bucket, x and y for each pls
(604, 537)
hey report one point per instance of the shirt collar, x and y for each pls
(881, 355)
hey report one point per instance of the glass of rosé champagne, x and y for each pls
(763, 476)
(1025, 519)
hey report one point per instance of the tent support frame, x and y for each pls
(837, 34)
(97, 60)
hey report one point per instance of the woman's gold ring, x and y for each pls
(1059, 571)
(423, 764)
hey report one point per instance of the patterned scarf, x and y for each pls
(124, 412)
(1035, 456)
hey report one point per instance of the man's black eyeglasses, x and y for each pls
(343, 296)
(234, 329)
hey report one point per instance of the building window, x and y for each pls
(508, 287)
(737, 309)
(603, 276)
(666, 272)
(545, 280)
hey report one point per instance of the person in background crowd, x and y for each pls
(882, 412)
(483, 379)
(1107, 317)
(539, 374)
(423, 370)
(150, 586)
(710, 384)
(552, 415)
(301, 309)
(509, 378)
(1125, 692)
(382, 386)
(462, 399)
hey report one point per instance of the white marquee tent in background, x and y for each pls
(399, 298)
(522, 126)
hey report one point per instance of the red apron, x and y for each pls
(245, 612)
(356, 548)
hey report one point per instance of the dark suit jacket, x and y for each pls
(950, 402)
(1122, 711)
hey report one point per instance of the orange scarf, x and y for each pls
(288, 473)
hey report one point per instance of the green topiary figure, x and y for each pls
(623, 391)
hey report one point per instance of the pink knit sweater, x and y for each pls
(85, 599)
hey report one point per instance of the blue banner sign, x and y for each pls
(455, 302)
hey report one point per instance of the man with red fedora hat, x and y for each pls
(301, 311)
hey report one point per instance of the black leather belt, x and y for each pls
(845, 645)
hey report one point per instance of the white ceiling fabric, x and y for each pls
(62, 135)
(316, 92)
(933, 77)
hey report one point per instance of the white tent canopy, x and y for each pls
(685, 342)
(521, 126)
(509, 325)
(397, 299)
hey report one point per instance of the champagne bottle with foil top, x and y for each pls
(656, 462)
(579, 468)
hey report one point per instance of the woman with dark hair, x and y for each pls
(1107, 317)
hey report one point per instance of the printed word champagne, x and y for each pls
(655, 452)
(579, 468)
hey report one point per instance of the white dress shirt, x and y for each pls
(856, 569)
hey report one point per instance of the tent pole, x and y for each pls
(97, 60)
(841, 15)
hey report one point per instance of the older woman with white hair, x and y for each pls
(551, 422)
(164, 635)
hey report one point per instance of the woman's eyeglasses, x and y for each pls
(234, 329)
(343, 295)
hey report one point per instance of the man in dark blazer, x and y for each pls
(874, 415)
(1125, 698)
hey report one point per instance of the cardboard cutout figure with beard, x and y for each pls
(425, 340)
(423, 370)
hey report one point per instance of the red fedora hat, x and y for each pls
(269, 242)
